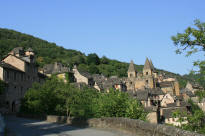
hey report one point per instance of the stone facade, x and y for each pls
(149, 78)
(19, 72)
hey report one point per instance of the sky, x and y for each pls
(118, 29)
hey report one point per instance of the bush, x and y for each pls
(57, 98)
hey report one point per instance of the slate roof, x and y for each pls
(167, 112)
(182, 104)
(18, 50)
(85, 74)
(156, 91)
(166, 84)
(99, 79)
(8, 66)
(131, 67)
(142, 95)
(148, 64)
(52, 69)
(187, 91)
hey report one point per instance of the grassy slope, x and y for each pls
(47, 52)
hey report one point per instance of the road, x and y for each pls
(27, 127)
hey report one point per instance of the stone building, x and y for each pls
(149, 78)
(83, 77)
(166, 113)
(19, 71)
(61, 71)
(146, 79)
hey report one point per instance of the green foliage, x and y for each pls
(195, 118)
(200, 94)
(93, 59)
(58, 98)
(93, 69)
(192, 41)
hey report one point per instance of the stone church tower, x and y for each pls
(131, 70)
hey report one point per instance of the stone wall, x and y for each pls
(131, 126)
(1, 73)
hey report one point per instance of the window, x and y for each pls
(131, 75)
(147, 81)
(146, 73)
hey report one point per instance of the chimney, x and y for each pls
(177, 103)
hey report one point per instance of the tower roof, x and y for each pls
(152, 66)
(131, 67)
(148, 64)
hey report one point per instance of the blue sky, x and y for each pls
(118, 29)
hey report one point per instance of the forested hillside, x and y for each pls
(47, 52)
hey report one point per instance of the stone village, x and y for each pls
(160, 95)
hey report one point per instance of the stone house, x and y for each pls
(19, 71)
(103, 84)
(59, 69)
(166, 113)
(186, 94)
(201, 104)
(55, 68)
(167, 99)
(171, 87)
(193, 87)
(83, 77)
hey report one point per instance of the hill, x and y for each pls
(47, 52)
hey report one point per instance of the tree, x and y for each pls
(93, 69)
(93, 59)
(192, 41)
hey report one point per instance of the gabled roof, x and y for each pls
(131, 67)
(85, 74)
(8, 66)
